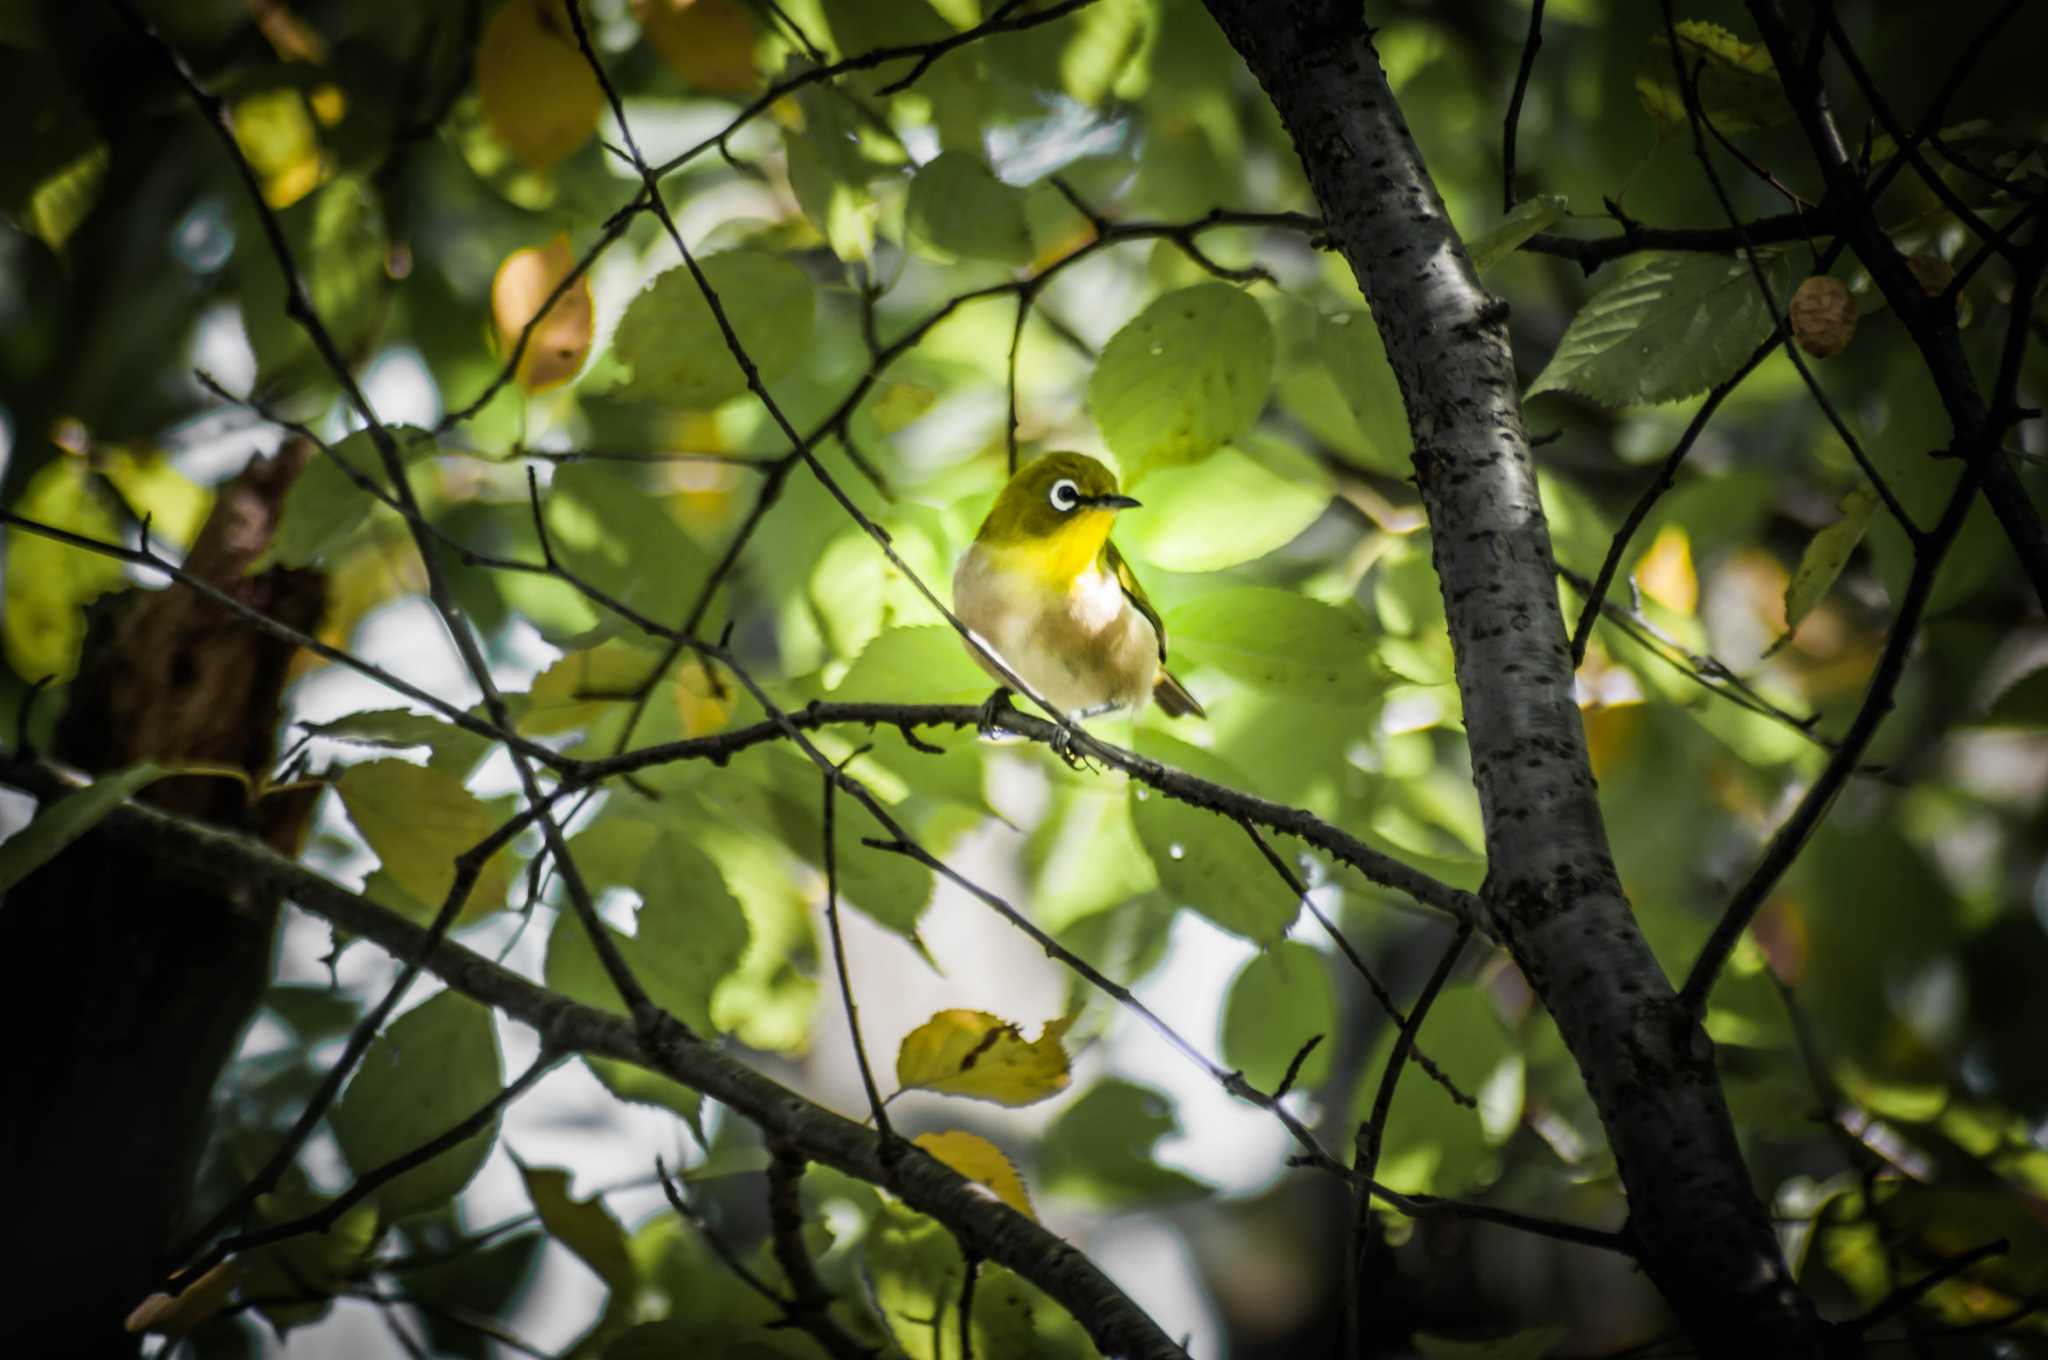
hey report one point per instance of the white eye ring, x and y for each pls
(1064, 494)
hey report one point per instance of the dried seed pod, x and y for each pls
(1823, 317)
(1933, 272)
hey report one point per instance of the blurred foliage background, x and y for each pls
(1018, 253)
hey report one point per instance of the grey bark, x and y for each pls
(1553, 897)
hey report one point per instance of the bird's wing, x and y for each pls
(1135, 593)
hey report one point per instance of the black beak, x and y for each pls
(1109, 502)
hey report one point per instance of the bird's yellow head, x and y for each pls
(1055, 513)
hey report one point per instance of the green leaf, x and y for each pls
(585, 1227)
(1355, 358)
(1532, 1343)
(1280, 1000)
(1227, 509)
(613, 532)
(49, 583)
(62, 202)
(925, 665)
(338, 239)
(432, 1068)
(1433, 1144)
(672, 341)
(1668, 329)
(1827, 552)
(1530, 216)
(455, 750)
(1276, 639)
(959, 210)
(64, 821)
(1189, 372)
(690, 931)
(1101, 1149)
(417, 820)
(1204, 862)
(1737, 84)
(830, 176)
(326, 506)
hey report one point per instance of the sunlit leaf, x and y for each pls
(417, 820)
(1229, 508)
(1431, 1143)
(455, 749)
(1204, 862)
(973, 1053)
(538, 93)
(60, 204)
(430, 1069)
(959, 210)
(980, 1161)
(1665, 570)
(1530, 216)
(1669, 328)
(1277, 639)
(326, 505)
(150, 485)
(49, 583)
(1189, 372)
(560, 342)
(672, 342)
(927, 664)
(689, 932)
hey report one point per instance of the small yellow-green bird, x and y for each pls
(1044, 587)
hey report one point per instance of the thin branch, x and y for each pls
(720, 1248)
(1512, 123)
(810, 1303)
(468, 868)
(994, 1229)
(1371, 1134)
(1000, 23)
(973, 1270)
(1696, 114)
(1635, 238)
(1980, 450)
(877, 1107)
(367, 1184)
(1372, 983)
(1907, 1295)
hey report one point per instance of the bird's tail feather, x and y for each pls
(1173, 697)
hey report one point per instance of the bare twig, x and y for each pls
(1512, 123)
(810, 1302)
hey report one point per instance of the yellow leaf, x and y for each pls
(538, 94)
(973, 1053)
(200, 1300)
(702, 705)
(1666, 573)
(982, 1162)
(417, 820)
(582, 687)
(277, 134)
(561, 341)
(709, 43)
(50, 583)
(176, 505)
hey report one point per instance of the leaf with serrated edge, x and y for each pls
(973, 1053)
(1665, 331)
(982, 1162)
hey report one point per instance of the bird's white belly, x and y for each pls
(1082, 649)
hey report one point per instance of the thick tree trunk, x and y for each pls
(129, 986)
(1553, 897)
